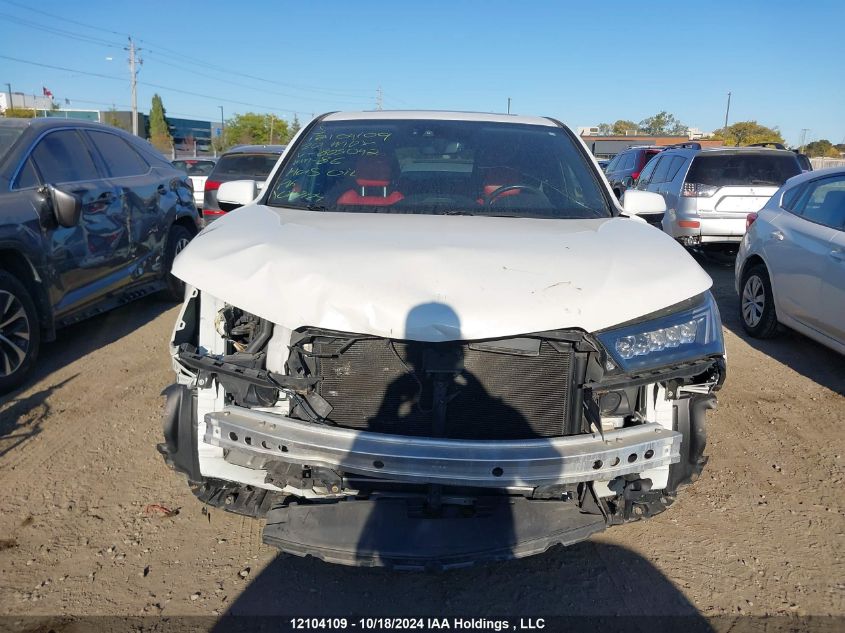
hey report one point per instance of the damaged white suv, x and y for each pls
(435, 339)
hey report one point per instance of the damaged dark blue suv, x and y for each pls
(90, 218)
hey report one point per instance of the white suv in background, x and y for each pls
(709, 192)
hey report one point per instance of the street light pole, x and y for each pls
(222, 128)
(804, 131)
(728, 110)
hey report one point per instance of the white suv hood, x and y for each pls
(436, 278)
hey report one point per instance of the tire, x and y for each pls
(20, 333)
(177, 239)
(757, 304)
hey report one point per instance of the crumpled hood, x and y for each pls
(436, 278)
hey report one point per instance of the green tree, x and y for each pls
(295, 126)
(822, 147)
(605, 129)
(250, 127)
(662, 124)
(112, 119)
(748, 132)
(623, 127)
(159, 130)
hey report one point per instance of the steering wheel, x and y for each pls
(494, 195)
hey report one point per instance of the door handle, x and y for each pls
(837, 255)
(777, 235)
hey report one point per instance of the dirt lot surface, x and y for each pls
(760, 533)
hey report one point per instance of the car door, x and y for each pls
(825, 206)
(138, 189)
(833, 288)
(797, 251)
(84, 256)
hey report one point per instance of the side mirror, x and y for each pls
(236, 193)
(67, 207)
(636, 202)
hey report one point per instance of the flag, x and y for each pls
(46, 92)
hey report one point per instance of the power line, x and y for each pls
(64, 19)
(70, 70)
(194, 61)
(57, 31)
(240, 73)
(152, 85)
(235, 83)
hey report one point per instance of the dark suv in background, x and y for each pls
(244, 162)
(90, 217)
(626, 166)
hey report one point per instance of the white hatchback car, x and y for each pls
(791, 264)
(435, 338)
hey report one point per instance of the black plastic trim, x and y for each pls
(180, 432)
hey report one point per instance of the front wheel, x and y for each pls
(177, 240)
(757, 303)
(20, 333)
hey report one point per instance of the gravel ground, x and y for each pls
(760, 533)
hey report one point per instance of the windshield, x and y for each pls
(8, 136)
(440, 167)
(726, 170)
(195, 167)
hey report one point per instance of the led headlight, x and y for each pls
(692, 330)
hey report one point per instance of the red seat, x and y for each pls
(496, 178)
(373, 175)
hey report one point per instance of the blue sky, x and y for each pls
(582, 62)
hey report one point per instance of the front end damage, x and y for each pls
(367, 450)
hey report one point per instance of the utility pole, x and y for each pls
(272, 120)
(379, 98)
(134, 61)
(804, 131)
(727, 111)
(509, 105)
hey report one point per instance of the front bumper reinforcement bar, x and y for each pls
(494, 464)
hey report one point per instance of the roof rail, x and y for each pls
(772, 144)
(684, 146)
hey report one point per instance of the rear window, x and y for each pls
(121, 160)
(725, 170)
(249, 166)
(195, 167)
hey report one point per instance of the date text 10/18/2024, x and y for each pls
(419, 624)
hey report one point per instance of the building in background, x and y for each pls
(610, 146)
(25, 101)
(189, 135)
(188, 132)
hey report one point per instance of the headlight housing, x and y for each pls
(690, 330)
